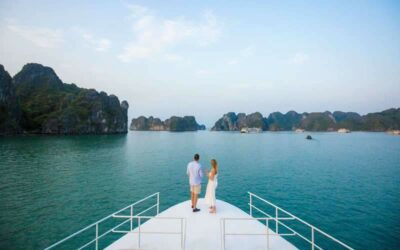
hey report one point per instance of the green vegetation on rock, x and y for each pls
(10, 112)
(174, 124)
(49, 106)
(316, 121)
(233, 122)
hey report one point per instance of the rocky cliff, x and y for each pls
(49, 106)
(233, 122)
(10, 112)
(318, 121)
(289, 121)
(382, 121)
(315, 121)
(175, 124)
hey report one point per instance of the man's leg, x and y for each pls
(196, 196)
(192, 198)
(196, 192)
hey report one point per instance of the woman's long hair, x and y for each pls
(214, 165)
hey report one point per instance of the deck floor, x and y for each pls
(203, 231)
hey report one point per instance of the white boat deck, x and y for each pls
(203, 231)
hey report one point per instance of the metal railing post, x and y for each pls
(267, 224)
(139, 232)
(158, 203)
(223, 234)
(276, 220)
(251, 205)
(182, 233)
(312, 238)
(131, 217)
(97, 236)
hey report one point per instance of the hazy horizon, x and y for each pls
(206, 59)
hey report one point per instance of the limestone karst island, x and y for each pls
(36, 101)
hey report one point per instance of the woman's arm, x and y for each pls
(211, 175)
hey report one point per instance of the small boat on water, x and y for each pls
(343, 130)
(299, 130)
(250, 130)
(142, 225)
(394, 132)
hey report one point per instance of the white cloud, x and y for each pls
(300, 58)
(203, 72)
(173, 57)
(248, 51)
(40, 36)
(137, 10)
(209, 31)
(154, 36)
(98, 44)
(233, 61)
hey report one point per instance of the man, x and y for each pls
(195, 173)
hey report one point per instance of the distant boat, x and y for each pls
(343, 130)
(299, 130)
(394, 132)
(309, 137)
(250, 130)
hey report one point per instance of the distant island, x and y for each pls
(386, 120)
(36, 101)
(173, 124)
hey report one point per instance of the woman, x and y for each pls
(211, 186)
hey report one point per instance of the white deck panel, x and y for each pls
(203, 231)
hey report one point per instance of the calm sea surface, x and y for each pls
(345, 184)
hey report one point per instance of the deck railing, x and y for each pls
(129, 218)
(267, 233)
(278, 221)
(140, 231)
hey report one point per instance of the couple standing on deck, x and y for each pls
(195, 173)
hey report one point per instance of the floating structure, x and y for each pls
(299, 130)
(308, 137)
(343, 130)
(394, 132)
(250, 130)
(179, 228)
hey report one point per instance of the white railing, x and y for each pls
(130, 218)
(267, 231)
(278, 221)
(139, 231)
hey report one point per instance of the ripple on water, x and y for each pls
(347, 185)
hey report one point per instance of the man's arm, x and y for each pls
(201, 172)
(187, 170)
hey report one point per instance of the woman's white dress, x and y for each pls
(210, 193)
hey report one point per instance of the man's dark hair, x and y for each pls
(196, 157)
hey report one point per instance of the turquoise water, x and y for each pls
(345, 184)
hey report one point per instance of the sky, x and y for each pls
(207, 58)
